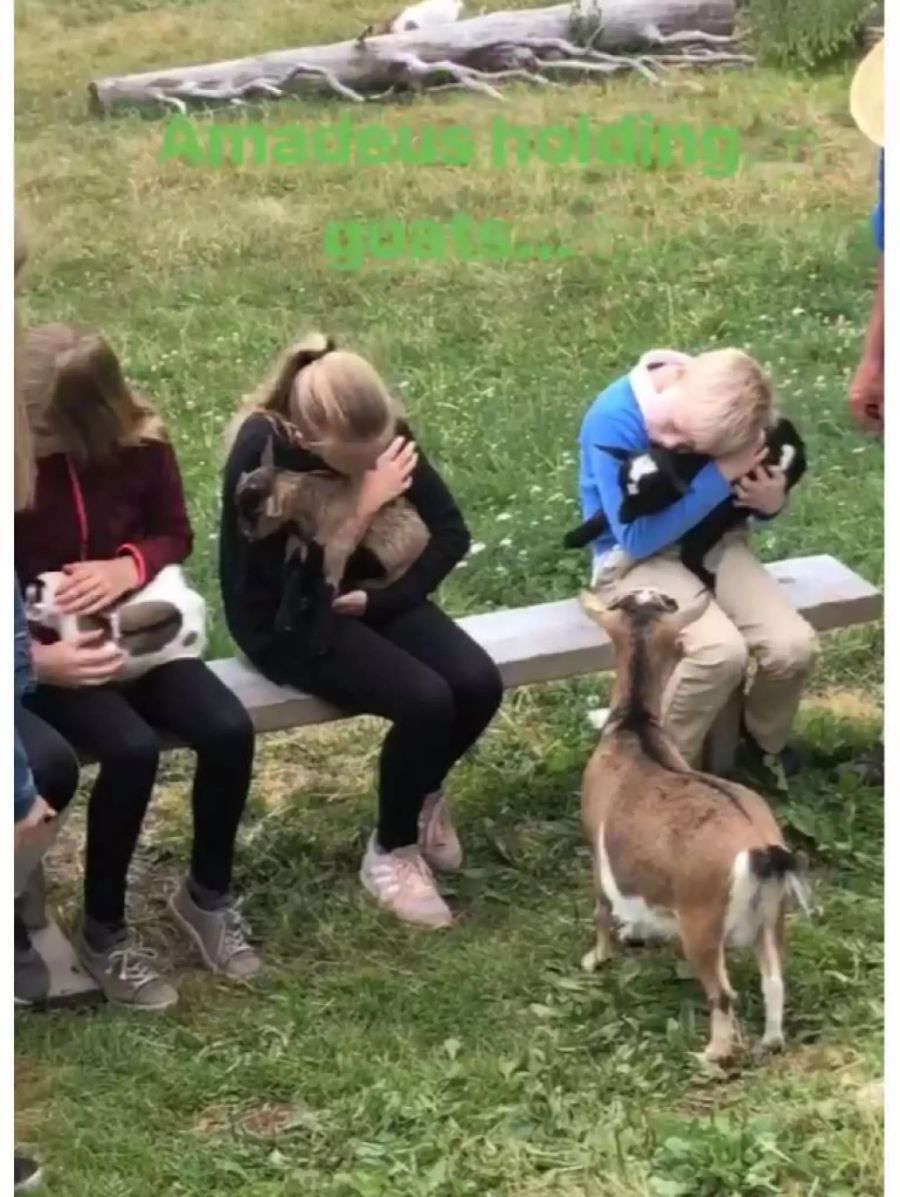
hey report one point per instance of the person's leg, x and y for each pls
(782, 643)
(54, 766)
(365, 674)
(186, 699)
(714, 653)
(55, 770)
(53, 762)
(100, 721)
(433, 638)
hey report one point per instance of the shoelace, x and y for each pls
(133, 965)
(236, 931)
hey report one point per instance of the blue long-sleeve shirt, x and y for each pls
(23, 783)
(615, 420)
(878, 214)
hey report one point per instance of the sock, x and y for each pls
(100, 937)
(207, 899)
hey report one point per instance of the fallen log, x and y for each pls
(540, 45)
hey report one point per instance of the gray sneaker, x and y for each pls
(126, 975)
(220, 936)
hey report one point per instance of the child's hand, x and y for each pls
(80, 662)
(736, 465)
(92, 586)
(391, 476)
(353, 603)
(762, 490)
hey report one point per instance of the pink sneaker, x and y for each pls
(402, 882)
(438, 840)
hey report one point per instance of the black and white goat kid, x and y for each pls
(653, 480)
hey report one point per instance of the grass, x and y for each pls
(374, 1061)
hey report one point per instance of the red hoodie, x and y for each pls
(131, 504)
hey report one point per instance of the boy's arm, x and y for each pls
(649, 534)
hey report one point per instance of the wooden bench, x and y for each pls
(547, 642)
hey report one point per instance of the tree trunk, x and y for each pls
(541, 45)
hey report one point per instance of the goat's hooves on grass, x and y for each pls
(592, 960)
(772, 1043)
(714, 1057)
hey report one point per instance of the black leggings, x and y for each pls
(438, 688)
(53, 763)
(118, 726)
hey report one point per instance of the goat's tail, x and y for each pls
(777, 863)
(764, 882)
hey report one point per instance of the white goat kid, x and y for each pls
(165, 621)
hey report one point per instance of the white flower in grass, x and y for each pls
(798, 311)
(477, 548)
(504, 516)
(597, 718)
(505, 543)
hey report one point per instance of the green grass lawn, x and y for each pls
(374, 1061)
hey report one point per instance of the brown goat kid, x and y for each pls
(677, 853)
(318, 508)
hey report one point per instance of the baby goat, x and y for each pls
(654, 480)
(317, 509)
(678, 853)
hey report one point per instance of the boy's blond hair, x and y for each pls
(726, 400)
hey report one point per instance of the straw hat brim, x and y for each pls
(867, 95)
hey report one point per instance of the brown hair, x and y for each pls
(727, 401)
(325, 393)
(77, 398)
(23, 455)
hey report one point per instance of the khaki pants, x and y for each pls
(750, 618)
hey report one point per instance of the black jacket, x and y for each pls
(252, 573)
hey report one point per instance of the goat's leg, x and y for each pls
(603, 947)
(334, 559)
(703, 943)
(770, 954)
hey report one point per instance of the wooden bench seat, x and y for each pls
(554, 641)
(543, 643)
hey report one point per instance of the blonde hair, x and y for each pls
(77, 398)
(325, 393)
(726, 401)
(23, 454)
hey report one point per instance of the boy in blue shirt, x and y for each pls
(717, 404)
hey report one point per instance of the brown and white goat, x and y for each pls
(319, 507)
(677, 853)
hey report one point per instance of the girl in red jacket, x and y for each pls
(109, 512)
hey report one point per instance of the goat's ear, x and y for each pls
(689, 613)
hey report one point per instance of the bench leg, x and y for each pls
(69, 983)
(32, 902)
(724, 735)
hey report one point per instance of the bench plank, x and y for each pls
(553, 641)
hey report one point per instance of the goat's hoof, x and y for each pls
(772, 1043)
(714, 1057)
(592, 960)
